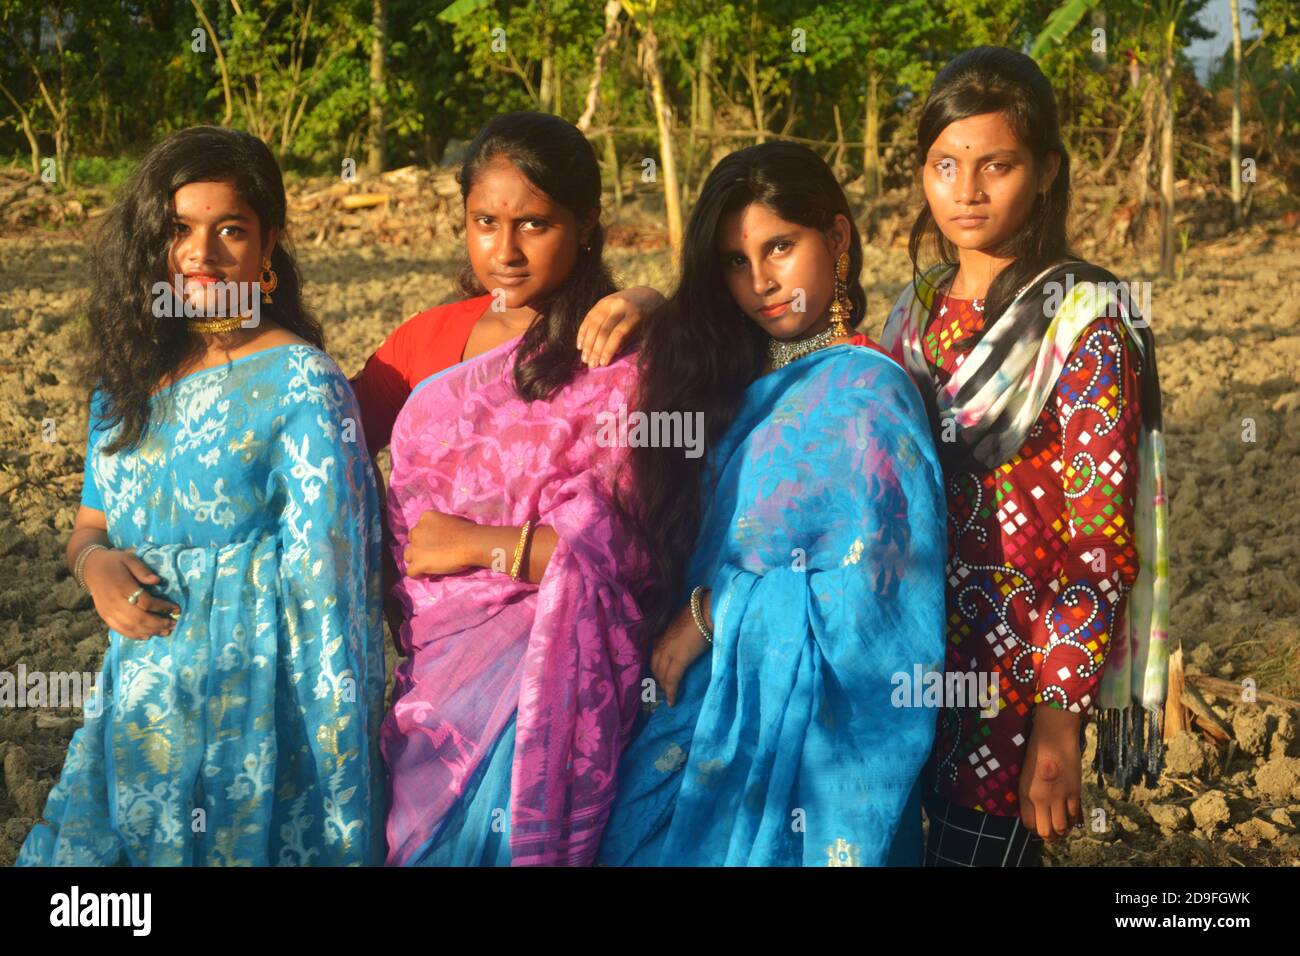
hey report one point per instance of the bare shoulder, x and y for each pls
(272, 336)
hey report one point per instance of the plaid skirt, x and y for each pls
(960, 836)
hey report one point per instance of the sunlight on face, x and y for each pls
(216, 237)
(781, 274)
(981, 181)
(520, 241)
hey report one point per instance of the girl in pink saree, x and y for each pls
(520, 577)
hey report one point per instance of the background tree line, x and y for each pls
(661, 87)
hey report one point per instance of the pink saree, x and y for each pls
(565, 653)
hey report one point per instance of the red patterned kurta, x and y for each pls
(1040, 556)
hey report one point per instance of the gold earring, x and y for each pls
(842, 307)
(268, 281)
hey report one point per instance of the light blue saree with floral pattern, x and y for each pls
(249, 736)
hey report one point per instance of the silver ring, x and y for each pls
(135, 597)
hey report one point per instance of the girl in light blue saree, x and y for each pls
(808, 573)
(229, 535)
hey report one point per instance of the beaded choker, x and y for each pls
(783, 352)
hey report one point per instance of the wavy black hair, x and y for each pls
(700, 351)
(128, 350)
(556, 158)
(993, 79)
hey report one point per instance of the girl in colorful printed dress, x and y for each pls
(229, 536)
(1041, 381)
(806, 574)
(520, 617)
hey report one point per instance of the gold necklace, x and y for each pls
(214, 326)
(782, 352)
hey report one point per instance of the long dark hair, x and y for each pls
(129, 350)
(700, 351)
(992, 79)
(556, 158)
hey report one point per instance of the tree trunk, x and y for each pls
(1142, 167)
(63, 128)
(221, 61)
(612, 10)
(1168, 239)
(546, 91)
(706, 101)
(32, 143)
(611, 160)
(375, 145)
(664, 127)
(1236, 113)
(756, 100)
(61, 154)
(751, 77)
(689, 162)
(871, 136)
(837, 163)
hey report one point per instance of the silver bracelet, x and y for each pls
(697, 612)
(79, 566)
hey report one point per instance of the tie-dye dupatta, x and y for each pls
(565, 653)
(994, 398)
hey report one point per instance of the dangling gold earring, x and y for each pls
(268, 281)
(841, 308)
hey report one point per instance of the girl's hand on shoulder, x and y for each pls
(613, 322)
(441, 544)
(680, 646)
(112, 577)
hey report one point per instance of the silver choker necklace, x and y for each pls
(783, 352)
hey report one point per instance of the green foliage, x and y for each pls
(1060, 24)
(126, 74)
(287, 61)
(106, 171)
(1279, 23)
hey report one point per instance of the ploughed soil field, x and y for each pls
(1228, 333)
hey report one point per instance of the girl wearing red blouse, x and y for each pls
(540, 257)
(438, 338)
(531, 246)
(1041, 381)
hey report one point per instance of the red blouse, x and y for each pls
(423, 345)
(1040, 556)
(860, 339)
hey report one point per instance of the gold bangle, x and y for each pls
(524, 532)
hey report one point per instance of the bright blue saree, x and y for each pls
(249, 736)
(476, 832)
(823, 540)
